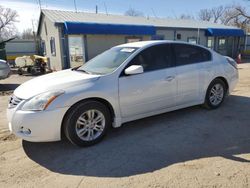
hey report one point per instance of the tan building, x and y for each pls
(70, 39)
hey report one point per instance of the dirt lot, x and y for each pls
(192, 147)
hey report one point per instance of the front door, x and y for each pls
(155, 89)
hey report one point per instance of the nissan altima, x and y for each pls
(125, 83)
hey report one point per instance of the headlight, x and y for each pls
(42, 101)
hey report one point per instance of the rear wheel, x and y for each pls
(215, 94)
(87, 123)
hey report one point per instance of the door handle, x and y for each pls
(170, 78)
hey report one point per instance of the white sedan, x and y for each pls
(125, 83)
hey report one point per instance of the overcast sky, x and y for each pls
(28, 10)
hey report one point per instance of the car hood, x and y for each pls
(54, 81)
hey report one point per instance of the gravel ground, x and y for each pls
(192, 147)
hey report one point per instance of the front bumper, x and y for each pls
(42, 126)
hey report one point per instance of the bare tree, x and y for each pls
(186, 17)
(205, 15)
(27, 34)
(211, 15)
(236, 16)
(217, 13)
(242, 11)
(133, 12)
(7, 19)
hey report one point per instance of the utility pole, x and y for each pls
(96, 9)
(75, 5)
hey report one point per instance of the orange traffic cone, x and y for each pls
(238, 60)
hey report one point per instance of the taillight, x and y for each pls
(232, 62)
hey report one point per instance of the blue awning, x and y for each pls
(115, 29)
(225, 32)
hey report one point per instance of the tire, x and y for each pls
(33, 71)
(42, 70)
(20, 71)
(80, 129)
(29, 70)
(215, 95)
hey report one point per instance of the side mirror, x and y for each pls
(134, 69)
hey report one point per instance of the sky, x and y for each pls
(29, 10)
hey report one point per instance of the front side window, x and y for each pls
(108, 61)
(189, 54)
(154, 58)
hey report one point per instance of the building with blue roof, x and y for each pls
(69, 39)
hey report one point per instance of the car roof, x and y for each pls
(143, 44)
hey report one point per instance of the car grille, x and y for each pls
(14, 101)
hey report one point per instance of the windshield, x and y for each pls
(108, 61)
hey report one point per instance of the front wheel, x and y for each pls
(215, 94)
(87, 123)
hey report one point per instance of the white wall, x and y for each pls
(52, 31)
(97, 44)
(169, 34)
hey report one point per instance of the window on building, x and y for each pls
(43, 47)
(189, 54)
(192, 40)
(53, 46)
(210, 42)
(178, 36)
(76, 51)
(222, 43)
(154, 58)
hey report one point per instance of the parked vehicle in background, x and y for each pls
(4, 69)
(32, 64)
(125, 83)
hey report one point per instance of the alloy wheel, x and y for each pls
(90, 125)
(216, 94)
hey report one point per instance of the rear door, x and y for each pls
(190, 60)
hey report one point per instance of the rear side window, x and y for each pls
(188, 54)
(154, 58)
